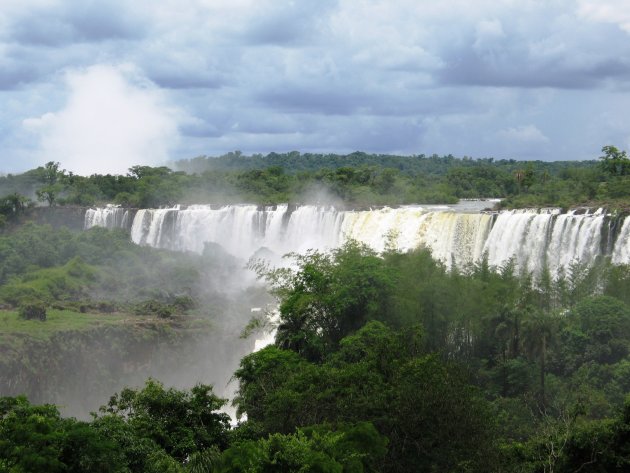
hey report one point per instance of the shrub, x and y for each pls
(153, 307)
(32, 311)
(184, 303)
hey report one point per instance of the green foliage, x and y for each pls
(32, 311)
(481, 181)
(569, 443)
(355, 448)
(36, 438)
(330, 296)
(179, 422)
(388, 363)
(203, 461)
(154, 307)
(532, 347)
(49, 194)
(51, 178)
(149, 430)
(357, 179)
(615, 161)
(592, 350)
(13, 205)
(385, 362)
(377, 375)
(103, 270)
(69, 281)
(30, 437)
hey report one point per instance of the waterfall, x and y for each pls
(452, 237)
(242, 230)
(520, 236)
(621, 249)
(532, 239)
(108, 217)
(575, 239)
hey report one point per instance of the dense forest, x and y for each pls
(354, 180)
(382, 362)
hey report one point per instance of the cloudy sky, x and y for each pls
(102, 85)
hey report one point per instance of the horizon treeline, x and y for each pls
(351, 181)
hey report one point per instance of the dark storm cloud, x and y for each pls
(264, 123)
(201, 130)
(324, 101)
(470, 68)
(280, 31)
(85, 21)
(384, 135)
(22, 65)
(288, 23)
(15, 75)
(484, 78)
(183, 80)
(382, 101)
(337, 133)
(522, 53)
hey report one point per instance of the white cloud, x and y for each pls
(112, 119)
(608, 11)
(488, 32)
(523, 134)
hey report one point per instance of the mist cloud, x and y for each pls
(110, 121)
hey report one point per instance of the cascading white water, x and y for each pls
(575, 239)
(533, 239)
(108, 217)
(520, 236)
(239, 229)
(545, 238)
(242, 230)
(621, 251)
(452, 237)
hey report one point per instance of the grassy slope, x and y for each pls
(13, 328)
(57, 320)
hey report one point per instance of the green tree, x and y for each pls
(51, 177)
(352, 448)
(539, 333)
(12, 205)
(600, 446)
(37, 438)
(329, 296)
(180, 422)
(31, 438)
(380, 376)
(614, 161)
(49, 193)
(605, 323)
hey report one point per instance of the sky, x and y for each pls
(100, 86)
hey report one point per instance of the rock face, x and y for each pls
(66, 216)
(80, 369)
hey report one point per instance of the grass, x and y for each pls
(57, 320)
(12, 327)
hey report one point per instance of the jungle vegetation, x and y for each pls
(353, 180)
(386, 362)
(383, 362)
